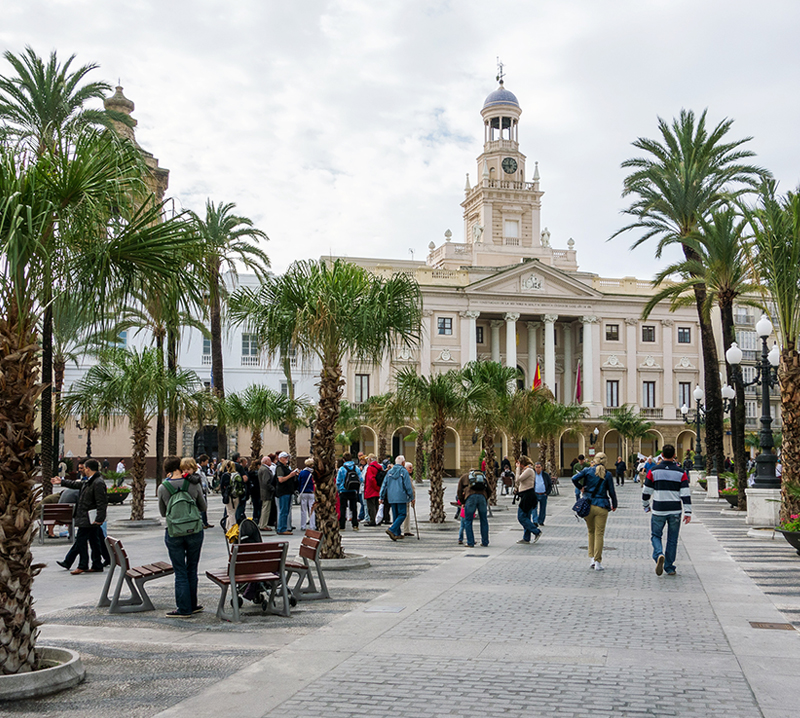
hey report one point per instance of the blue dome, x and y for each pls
(501, 96)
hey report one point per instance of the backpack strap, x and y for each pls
(172, 490)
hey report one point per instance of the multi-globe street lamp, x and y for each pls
(698, 419)
(766, 377)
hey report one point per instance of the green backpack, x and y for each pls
(183, 514)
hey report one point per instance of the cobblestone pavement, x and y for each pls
(432, 628)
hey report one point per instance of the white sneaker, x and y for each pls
(598, 566)
(591, 568)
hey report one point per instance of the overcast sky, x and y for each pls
(349, 125)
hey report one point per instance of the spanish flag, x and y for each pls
(537, 377)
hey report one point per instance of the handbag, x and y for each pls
(584, 505)
(379, 514)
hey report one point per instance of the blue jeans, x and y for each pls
(476, 502)
(184, 553)
(462, 528)
(284, 513)
(673, 524)
(362, 507)
(399, 511)
(529, 524)
(540, 511)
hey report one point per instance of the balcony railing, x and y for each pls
(511, 241)
(250, 361)
(651, 413)
(206, 360)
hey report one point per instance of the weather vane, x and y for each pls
(500, 73)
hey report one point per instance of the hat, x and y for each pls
(283, 455)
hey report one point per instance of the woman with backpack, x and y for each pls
(597, 485)
(348, 484)
(181, 502)
(232, 489)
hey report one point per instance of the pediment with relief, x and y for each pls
(532, 279)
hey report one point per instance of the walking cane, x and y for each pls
(414, 509)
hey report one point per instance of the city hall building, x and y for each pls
(505, 293)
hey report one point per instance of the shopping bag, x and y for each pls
(379, 515)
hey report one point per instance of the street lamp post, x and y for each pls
(766, 377)
(699, 419)
(592, 439)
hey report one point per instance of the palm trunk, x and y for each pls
(46, 400)
(255, 444)
(330, 394)
(738, 412)
(160, 422)
(516, 448)
(419, 457)
(292, 429)
(491, 477)
(138, 466)
(789, 376)
(436, 490)
(543, 445)
(172, 369)
(217, 378)
(383, 445)
(59, 367)
(293, 442)
(18, 439)
(554, 458)
(714, 446)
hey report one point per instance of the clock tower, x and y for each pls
(501, 212)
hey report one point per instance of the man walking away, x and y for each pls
(348, 484)
(473, 493)
(397, 492)
(668, 485)
(306, 481)
(621, 467)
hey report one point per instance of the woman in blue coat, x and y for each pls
(597, 485)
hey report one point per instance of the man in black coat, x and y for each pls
(93, 497)
(621, 468)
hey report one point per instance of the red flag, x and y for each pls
(537, 377)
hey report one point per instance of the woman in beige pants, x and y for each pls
(597, 485)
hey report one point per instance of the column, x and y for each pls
(632, 389)
(496, 324)
(469, 338)
(567, 386)
(587, 368)
(511, 338)
(532, 358)
(425, 347)
(550, 351)
(668, 400)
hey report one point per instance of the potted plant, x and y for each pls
(791, 531)
(117, 492)
(731, 492)
(703, 484)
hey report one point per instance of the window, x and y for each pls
(206, 351)
(445, 325)
(750, 409)
(285, 388)
(743, 315)
(612, 393)
(361, 388)
(648, 333)
(612, 332)
(649, 394)
(685, 394)
(249, 350)
(684, 335)
(747, 340)
(748, 374)
(511, 228)
(479, 335)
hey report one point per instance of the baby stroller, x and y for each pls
(257, 593)
(508, 481)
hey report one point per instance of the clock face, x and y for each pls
(509, 165)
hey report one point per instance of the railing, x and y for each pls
(743, 320)
(250, 361)
(651, 413)
(749, 355)
(511, 241)
(609, 410)
(206, 361)
(509, 184)
(494, 145)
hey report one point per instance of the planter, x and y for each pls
(65, 670)
(793, 537)
(117, 497)
(703, 484)
(732, 499)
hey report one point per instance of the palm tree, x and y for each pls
(518, 417)
(683, 178)
(42, 107)
(384, 414)
(499, 382)
(348, 425)
(336, 309)
(254, 408)
(629, 425)
(227, 239)
(775, 223)
(548, 420)
(446, 398)
(91, 251)
(131, 385)
(722, 266)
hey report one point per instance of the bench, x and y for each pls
(56, 515)
(310, 548)
(554, 481)
(135, 577)
(263, 563)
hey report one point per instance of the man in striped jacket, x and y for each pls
(668, 485)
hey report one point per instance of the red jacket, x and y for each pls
(371, 488)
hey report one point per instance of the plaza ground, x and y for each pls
(433, 628)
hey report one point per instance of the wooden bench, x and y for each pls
(56, 515)
(135, 577)
(254, 563)
(309, 552)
